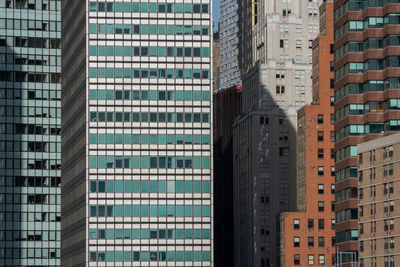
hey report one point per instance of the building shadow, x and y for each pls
(264, 165)
(226, 109)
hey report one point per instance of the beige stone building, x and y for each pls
(379, 202)
(275, 59)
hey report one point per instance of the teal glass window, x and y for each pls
(162, 186)
(135, 7)
(127, 7)
(206, 186)
(145, 212)
(188, 8)
(136, 213)
(92, 28)
(92, 211)
(110, 186)
(101, 161)
(92, 256)
(178, 8)
(101, 138)
(92, 186)
(127, 187)
(93, 162)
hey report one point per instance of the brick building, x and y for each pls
(307, 237)
(367, 70)
(379, 201)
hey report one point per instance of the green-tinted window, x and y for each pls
(101, 50)
(127, 7)
(93, 162)
(205, 52)
(135, 7)
(93, 28)
(92, 50)
(170, 29)
(144, 7)
(188, 8)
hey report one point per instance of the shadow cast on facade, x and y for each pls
(264, 169)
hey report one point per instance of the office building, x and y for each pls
(366, 95)
(30, 128)
(229, 30)
(137, 146)
(378, 192)
(275, 62)
(226, 109)
(308, 235)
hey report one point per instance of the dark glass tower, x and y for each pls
(30, 128)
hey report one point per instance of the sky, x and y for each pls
(215, 14)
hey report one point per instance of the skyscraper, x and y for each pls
(137, 115)
(308, 235)
(366, 95)
(275, 62)
(228, 33)
(30, 144)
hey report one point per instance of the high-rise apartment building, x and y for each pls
(137, 146)
(308, 235)
(30, 128)
(379, 201)
(366, 94)
(226, 109)
(275, 61)
(229, 30)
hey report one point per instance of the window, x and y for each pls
(310, 259)
(310, 224)
(332, 171)
(332, 188)
(321, 206)
(296, 259)
(280, 89)
(310, 42)
(296, 224)
(320, 136)
(298, 27)
(310, 241)
(320, 170)
(284, 27)
(320, 153)
(280, 74)
(321, 259)
(298, 43)
(321, 224)
(296, 241)
(320, 118)
(320, 189)
(321, 241)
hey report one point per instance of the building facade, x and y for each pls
(216, 61)
(226, 109)
(229, 30)
(366, 94)
(275, 64)
(307, 237)
(379, 199)
(137, 114)
(30, 128)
